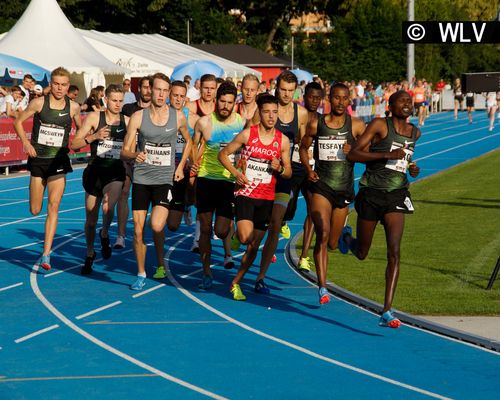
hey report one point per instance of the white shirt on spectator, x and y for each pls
(129, 98)
(193, 94)
(26, 99)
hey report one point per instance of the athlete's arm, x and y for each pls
(183, 129)
(238, 141)
(360, 152)
(33, 107)
(305, 144)
(83, 136)
(285, 158)
(303, 119)
(75, 113)
(192, 107)
(413, 169)
(129, 144)
(358, 127)
(200, 134)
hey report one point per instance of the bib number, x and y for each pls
(52, 136)
(258, 171)
(402, 164)
(179, 146)
(109, 149)
(331, 149)
(159, 155)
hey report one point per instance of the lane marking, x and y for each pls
(142, 293)
(289, 344)
(38, 216)
(45, 198)
(70, 324)
(155, 322)
(37, 333)
(11, 286)
(81, 316)
(64, 378)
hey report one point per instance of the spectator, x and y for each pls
(37, 92)
(14, 102)
(92, 103)
(73, 92)
(26, 86)
(193, 92)
(129, 96)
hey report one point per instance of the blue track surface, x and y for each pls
(179, 342)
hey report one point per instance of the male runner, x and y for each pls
(150, 141)
(215, 185)
(387, 147)
(105, 173)
(248, 105)
(205, 105)
(48, 159)
(265, 154)
(332, 180)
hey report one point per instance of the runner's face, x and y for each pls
(312, 100)
(225, 105)
(114, 102)
(177, 97)
(145, 92)
(249, 91)
(340, 100)
(73, 95)
(402, 106)
(59, 86)
(285, 92)
(268, 115)
(160, 93)
(207, 91)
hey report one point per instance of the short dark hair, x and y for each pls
(179, 84)
(28, 76)
(207, 78)
(73, 88)
(397, 95)
(225, 88)
(312, 86)
(337, 85)
(113, 88)
(287, 76)
(159, 75)
(143, 79)
(266, 98)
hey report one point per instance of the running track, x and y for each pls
(66, 336)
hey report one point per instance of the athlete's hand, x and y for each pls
(313, 176)
(179, 175)
(102, 133)
(275, 164)
(194, 169)
(241, 179)
(140, 157)
(29, 149)
(413, 169)
(347, 148)
(396, 154)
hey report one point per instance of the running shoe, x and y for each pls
(195, 247)
(45, 263)
(324, 296)
(274, 258)
(389, 320)
(235, 243)
(206, 282)
(87, 267)
(105, 246)
(342, 244)
(160, 272)
(261, 287)
(305, 264)
(285, 231)
(228, 262)
(237, 293)
(188, 217)
(139, 283)
(120, 243)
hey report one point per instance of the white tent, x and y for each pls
(147, 53)
(44, 36)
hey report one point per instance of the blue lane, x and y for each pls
(278, 346)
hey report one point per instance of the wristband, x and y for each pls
(282, 170)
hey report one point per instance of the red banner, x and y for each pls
(11, 148)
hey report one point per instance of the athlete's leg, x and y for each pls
(337, 222)
(112, 192)
(92, 204)
(272, 237)
(37, 188)
(393, 226)
(308, 225)
(205, 244)
(159, 216)
(174, 220)
(55, 191)
(321, 213)
(139, 217)
(360, 246)
(123, 208)
(253, 242)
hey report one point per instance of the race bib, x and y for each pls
(331, 148)
(402, 164)
(52, 136)
(159, 155)
(109, 148)
(179, 146)
(258, 170)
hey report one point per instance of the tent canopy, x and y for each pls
(15, 68)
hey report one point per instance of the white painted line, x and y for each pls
(45, 198)
(41, 241)
(38, 216)
(32, 335)
(11, 286)
(81, 316)
(420, 144)
(294, 346)
(135, 296)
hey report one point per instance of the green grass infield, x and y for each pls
(450, 246)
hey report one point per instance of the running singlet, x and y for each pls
(255, 163)
(332, 166)
(222, 134)
(389, 175)
(106, 152)
(199, 110)
(159, 144)
(291, 131)
(181, 143)
(51, 129)
(419, 93)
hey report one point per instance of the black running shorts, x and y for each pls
(372, 204)
(95, 178)
(215, 195)
(156, 195)
(336, 198)
(256, 210)
(46, 167)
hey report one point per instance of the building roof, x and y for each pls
(243, 54)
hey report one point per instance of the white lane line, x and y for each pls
(289, 344)
(81, 316)
(32, 335)
(156, 322)
(457, 147)
(38, 216)
(135, 296)
(45, 198)
(64, 378)
(40, 241)
(11, 286)
(420, 144)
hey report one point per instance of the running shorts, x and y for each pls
(215, 195)
(256, 210)
(46, 167)
(95, 178)
(156, 195)
(372, 204)
(337, 199)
